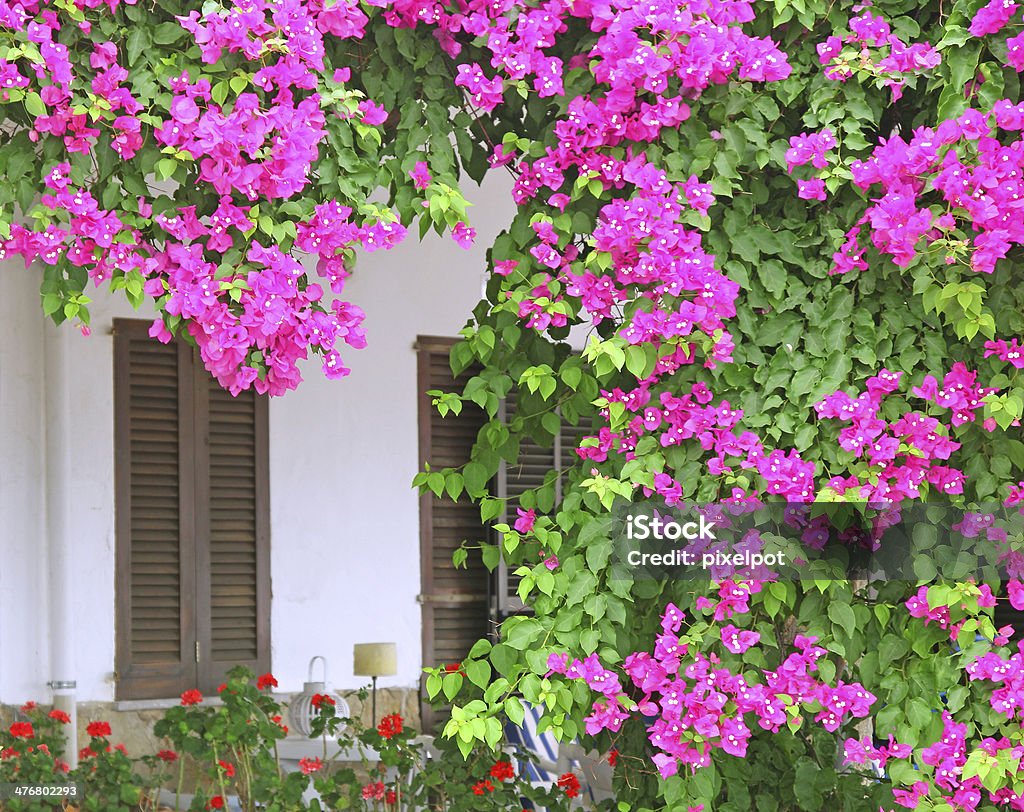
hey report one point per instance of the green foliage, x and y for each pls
(800, 334)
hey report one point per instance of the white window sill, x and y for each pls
(159, 704)
(164, 704)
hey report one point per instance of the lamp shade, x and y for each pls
(375, 660)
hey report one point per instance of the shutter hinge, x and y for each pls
(197, 651)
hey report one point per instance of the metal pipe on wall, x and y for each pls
(59, 548)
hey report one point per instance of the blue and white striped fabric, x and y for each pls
(545, 747)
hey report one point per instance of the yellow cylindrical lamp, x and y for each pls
(375, 660)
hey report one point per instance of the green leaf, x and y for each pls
(571, 376)
(636, 361)
(504, 659)
(842, 615)
(598, 553)
(167, 33)
(138, 42)
(219, 94)
(773, 276)
(51, 304)
(491, 509)
(522, 633)
(919, 714)
(34, 104)
(514, 710)
(804, 381)
(478, 672)
(890, 649)
(551, 423)
(451, 684)
(166, 167)
(453, 485)
(433, 685)
(491, 555)
(475, 477)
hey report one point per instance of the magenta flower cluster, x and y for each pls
(871, 47)
(698, 704)
(810, 148)
(256, 317)
(958, 176)
(905, 454)
(992, 18)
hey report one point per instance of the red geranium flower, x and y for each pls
(391, 797)
(86, 752)
(322, 699)
(167, 755)
(266, 681)
(390, 726)
(222, 688)
(192, 697)
(28, 706)
(613, 757)
(216, 802)
(22, 730)
(60, 716)
(97, 729)
(483, 787)
(229, 769)
(570, 783)
(502, 770)
(374, 791)
(277, 721)
(308, 766)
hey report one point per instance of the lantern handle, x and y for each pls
(322, 660)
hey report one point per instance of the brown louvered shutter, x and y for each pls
(233, 472)
(529, 472)
(153, 434)
(454, 601)
(193, 584)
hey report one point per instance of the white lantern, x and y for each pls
(301, 710)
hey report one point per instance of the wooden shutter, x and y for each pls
(155, 519)
(235, 513)
(193, 581)
(454, 602)
(529, 472)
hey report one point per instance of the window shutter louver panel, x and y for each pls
(235, 519)
(454, 601)
(529, 472)
(155, 516)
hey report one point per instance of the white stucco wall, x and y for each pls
(344, 521)
(23, 616)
